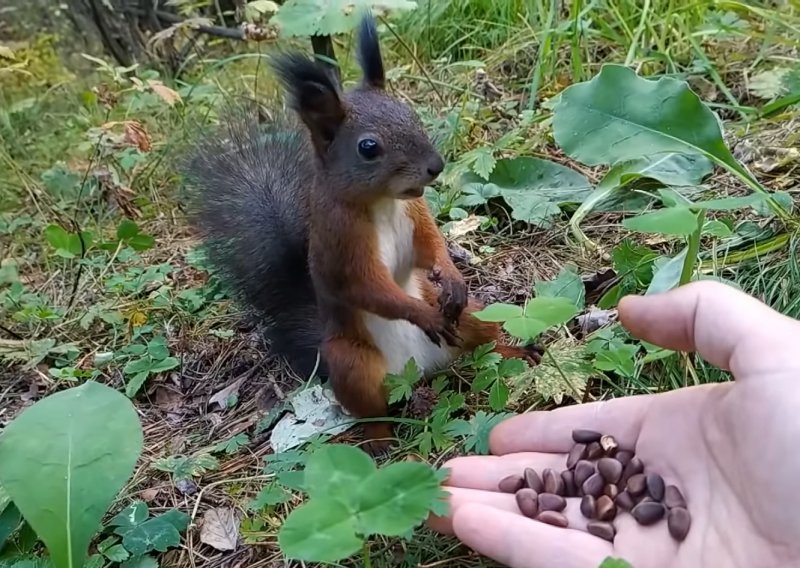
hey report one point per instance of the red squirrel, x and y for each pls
(323, 229)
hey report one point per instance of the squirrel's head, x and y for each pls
(369, 143)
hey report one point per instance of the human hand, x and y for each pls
(728, 446)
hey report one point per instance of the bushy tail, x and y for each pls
(249, 185)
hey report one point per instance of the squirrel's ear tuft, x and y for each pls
(369, 53)
(313, 94)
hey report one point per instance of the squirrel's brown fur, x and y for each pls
(354, 239)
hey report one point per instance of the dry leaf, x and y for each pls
(221, 398)
(220, 528)
(168, 95)
(136, 135)
(464, 226)
(149, 495)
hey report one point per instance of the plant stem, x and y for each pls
(365, 553)
(693, 249)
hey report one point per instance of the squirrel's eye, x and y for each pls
(369, 148)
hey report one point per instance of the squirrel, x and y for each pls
(321, 226)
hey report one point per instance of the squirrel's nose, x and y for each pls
(435, 166)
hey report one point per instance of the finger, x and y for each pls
(518, 542)
(485, 472)
(551, 431)
(460, 497)
(725, 326)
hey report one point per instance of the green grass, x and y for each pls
(78, 314)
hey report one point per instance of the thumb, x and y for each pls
(728, 328)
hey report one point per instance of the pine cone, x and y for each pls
(423, 399)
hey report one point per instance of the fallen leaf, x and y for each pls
(595, 319)
(232, 390)
(464, 226)
(220, 528)
(149, 495)
(167, 95)
(136, 135)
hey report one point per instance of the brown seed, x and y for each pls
(511, 484)
(611, 490)
(655, 486)
(583, 471)
(570, 489)
(679, 521)
(648, 513)
(624, 501)
(588, 507)
(606, 531)
(636, 484)
(624, 457)
(606, 510)
(552, 482)
(577, 453)
(532, 480)
(593, 486)
(673, 497)
(528, 502)
(634, 466)
(594, 451)
(551, 502)
(553, 518)
(586, 436)
(610, 469)
(609, 444)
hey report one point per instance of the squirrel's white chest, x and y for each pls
(399, 340)
(395, 233)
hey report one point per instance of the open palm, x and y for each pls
(731, 448)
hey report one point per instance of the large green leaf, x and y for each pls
(619, 116)
(64, 459)
(322, 530)
(330, 17)
(678, 221)
(397, 498)
(336, 470)
(534, 188)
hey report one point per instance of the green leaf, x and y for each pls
(401, 385)
(610, 562)
(568, 284)
(117, 553)
(534, 188)
(321, 530)
(137, 366)
(397, 498)
(525, 328)
(511, 367)
(134, 514)
(63, 460)
(666, 273)
(164, 365)
(618, 116)
(154, 534)
(329, 17)
(335, 470)
(127, 229)
(135, 383)
(717, 228)
(141, 242)
(176, 518)
(551, 311)
(476, 431)
(729, 203)
(498, 396)
(140, 562)
(232, 445)
(678, 221)
(474, 194)
(498, 312)
(270, 495)
(10, 520)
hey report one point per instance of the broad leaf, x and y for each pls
(330, 17)
(666, 273)
(678, 221)
(498, 396)
(127, 229)
(551, 311)
(397, 498)
(618, 116)
(157, 533)
(498, 312)
(63, 460)
(322, 530)
(134, 514)
(534, 188)
(525, 328)
(567, 377)
(10, 519)
(335, 470)
(568, 284)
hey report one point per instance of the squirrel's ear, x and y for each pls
(314, 94)
(369, 53)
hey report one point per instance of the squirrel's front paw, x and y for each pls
(436, 326)
(453, 297)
